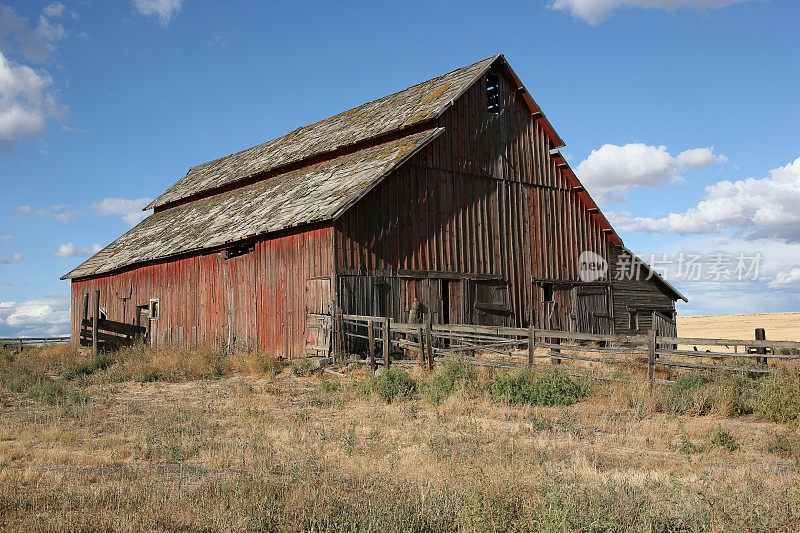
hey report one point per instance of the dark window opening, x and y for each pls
(445, 301)
(240, 249)
(154, 308)
(103, 314)
(633, 320)
(547, 291)
(493, 93)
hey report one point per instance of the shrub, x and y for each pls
(551, 388)
(777, 397)
(391, 385)
(454, 374)
(722, 439)
(688, 396)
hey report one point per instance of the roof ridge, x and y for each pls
(370, 119)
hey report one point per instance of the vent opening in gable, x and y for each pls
(493, 93)
(236, 251)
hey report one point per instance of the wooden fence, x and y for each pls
(384, 341)
(21, 343)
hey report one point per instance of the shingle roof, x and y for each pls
(402, 109)
(311, 194)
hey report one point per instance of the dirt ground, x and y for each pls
(778, 326)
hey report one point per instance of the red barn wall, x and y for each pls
(257, 300)
(485, 197)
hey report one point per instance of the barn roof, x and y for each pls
(311, 194)
(396, 111)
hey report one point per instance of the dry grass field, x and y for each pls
(161, 440)
(777, 326)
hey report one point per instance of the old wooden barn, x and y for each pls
(448, 199)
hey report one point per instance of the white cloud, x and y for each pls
(69, 250)
(596, 11)
(783, 279)
(611, 171)
(6, 237)
(55, 10)
(61, 213)
(27, 98)
(765, 289)
(16, 257)
(759, 208)
(700, 157)
(48, 316)
(164, 10)
(130, 210)
(26, 102)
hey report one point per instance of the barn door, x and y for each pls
(593, 314)
(318, 316)
(489, 301)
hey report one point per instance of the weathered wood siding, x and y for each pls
(644, 296)
(255, 300)
(486, 197)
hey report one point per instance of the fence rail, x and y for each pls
(20, 343)
(425, 344)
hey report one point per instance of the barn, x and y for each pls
(447, 200)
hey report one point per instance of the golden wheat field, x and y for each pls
(159, 439)
(777, 326)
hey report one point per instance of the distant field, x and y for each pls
(778, 326)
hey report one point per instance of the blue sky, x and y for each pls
(682, 118)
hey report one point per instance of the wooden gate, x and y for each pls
(318, 316)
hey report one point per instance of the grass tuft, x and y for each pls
(554, 387)
(391, 385)
(720, 438)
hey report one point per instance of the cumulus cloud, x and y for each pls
(783, 279)
(69, 250)
(596, 11)
(61, 213)
(27, 97)
(164, 10)
(758, 208)
(48, 316)
(16, 257)
(611, 171)
(130, 210)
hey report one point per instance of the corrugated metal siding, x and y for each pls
(255, 300)
(485, 197)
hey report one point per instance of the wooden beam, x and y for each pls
(95, 321)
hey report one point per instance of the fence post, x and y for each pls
(531, 345)
(371, 337)
(761, 336)
(429, 342)
(386, 341)
(95, 320)
(555, 351)
(339, 321)
(651, 356)
(421, 337)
